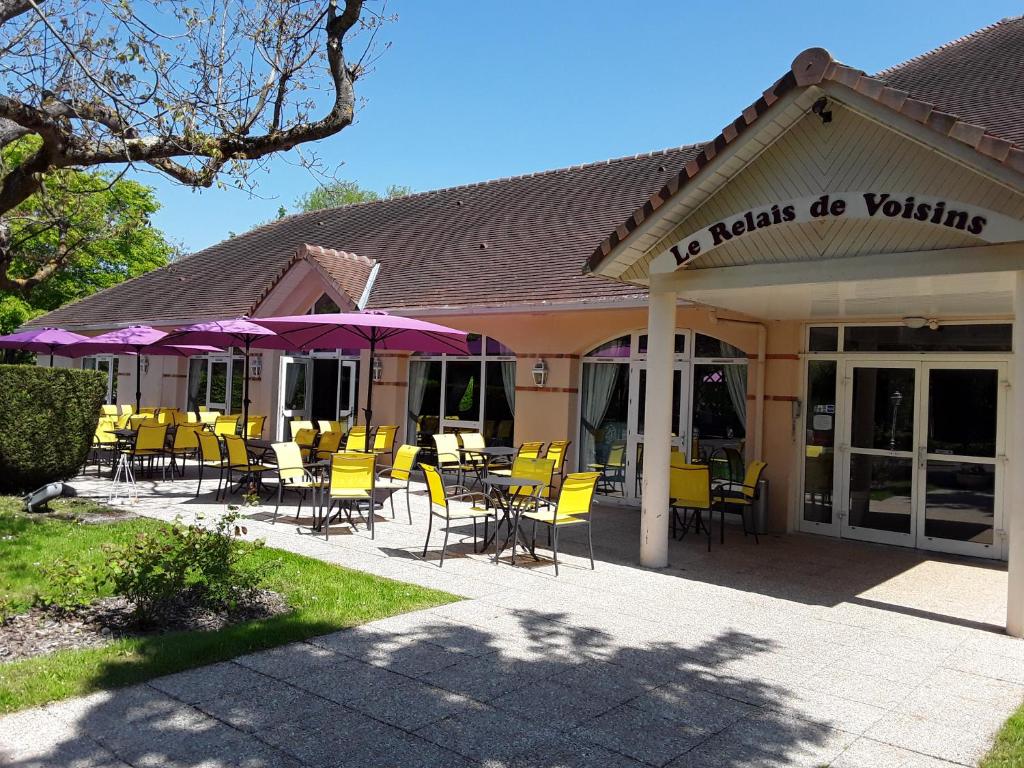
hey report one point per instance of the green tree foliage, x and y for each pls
(82, 232)
(343, 192)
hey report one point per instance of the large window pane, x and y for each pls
(823, 339)
(719, 406)
(462, 390)
(709, 346)
(605, 408)
(237, 384)
(880, 492)
(883, 408)
(424, 400)
(218, 383)
(499, 404)
(946, 338)
(960, 501)
(820, 424)
(962, 411)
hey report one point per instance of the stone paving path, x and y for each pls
(798, 651)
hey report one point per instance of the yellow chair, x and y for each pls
(398, 476)
(467, 506)
(127, 409)
(541, 470)
(192, 417)
(184, 445)
(254, 426)
(207, 416)
(557, 451)
(298, 424)
(210, 456)
(574, 507)
(355, 440)
(108, 410)
(330, 442)
(306, 438)
(740, 498)
(104, 441)
(292, 475)
(449, 458)
(225, 425)
(613, 471)
(134, 422)
(149, 443)
(531, 449)
(152, 410)
(351, 483)
(123, 420)
(203, 408)
(384, 441)
(689, 489)
(239, 462)
(326, 425)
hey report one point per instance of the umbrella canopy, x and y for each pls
(367, 330)
(40, 340)
(134, 340)
(239, 332)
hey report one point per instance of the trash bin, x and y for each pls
(761, 508)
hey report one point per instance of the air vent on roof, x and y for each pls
(319, 223)
(661, 169)
(483, 246)
(458, 202)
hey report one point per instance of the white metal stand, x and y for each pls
(123, 489)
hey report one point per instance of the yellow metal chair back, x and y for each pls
(148, 409)
(689, 485)
(254, 426)
(325, 425)
(105, 431)
(404, 460)
(289, 461)
(530, 450)
(447, 445)
(238, 456)
(151, 437)
(108, 410)
(577, 496)
(207, 416)
(533, 469)
(127, 409)
(435, 486)
(616, 455)
(352, 472)
(384, 439)
(225, 425)
(556, 452)
(209, 446)
(185, 437)
(330, 442)
(123, 420)
(473, 441)
(298, 424)
(355, 441)
(305, 437)
(751, 478)
(134, 422)
(191, 417)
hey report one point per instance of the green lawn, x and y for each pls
(324, 597)
(1008, 749)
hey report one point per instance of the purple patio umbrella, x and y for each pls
(135, 340)
(239, 332)
(367, 330)
(40, 340)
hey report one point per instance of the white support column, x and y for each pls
(654, 514)
(1015, 472)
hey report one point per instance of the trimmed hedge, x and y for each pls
(47, 420)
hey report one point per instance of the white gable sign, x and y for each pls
(986, 225)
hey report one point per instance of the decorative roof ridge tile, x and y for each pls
(947, 45)
(813, 67)
(319, 250)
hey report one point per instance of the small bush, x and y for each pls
(47, 420)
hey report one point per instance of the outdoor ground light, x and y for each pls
(540, 372)
(378, 369)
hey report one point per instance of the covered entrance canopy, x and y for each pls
(836, 201)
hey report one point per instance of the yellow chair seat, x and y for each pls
(252, 468)
(147, 452)
(216, 464)
(303, 484)
(547, 517)
(463, 513)
(737, 500)
(349, 493)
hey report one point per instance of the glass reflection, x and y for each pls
(960, 501)
(880, 492)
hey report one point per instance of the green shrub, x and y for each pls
(183, 565)
(47, 421)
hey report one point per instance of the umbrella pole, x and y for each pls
(51, 357)
(369, 384)
(138, 381)
(245, 394)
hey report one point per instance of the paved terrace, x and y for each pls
(799, 651)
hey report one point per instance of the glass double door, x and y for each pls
(637, 420)
(921, 455)
(318, 387)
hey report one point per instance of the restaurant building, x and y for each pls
(835, 284)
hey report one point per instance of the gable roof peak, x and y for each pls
(809, 66)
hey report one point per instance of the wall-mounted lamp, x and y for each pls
(144, 365)
(540, 372)
(916, 323)
(255, 366)
(820, 108)
(377, 367)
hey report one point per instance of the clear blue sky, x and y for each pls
(479, 89)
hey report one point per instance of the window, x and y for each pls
(325, 305)
(453, 393)
(104, 364)
(977, 337)
(216, 382)
(823, 338)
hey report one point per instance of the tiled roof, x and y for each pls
(979, 77)
(511, 241)
(991, 55)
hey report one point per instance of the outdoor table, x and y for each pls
(501, 488)
(490, 454)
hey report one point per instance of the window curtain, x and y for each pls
(598, 385)
(508, 380)
(195, 379)
(417, 388)
(736, 381)
(291, 383)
